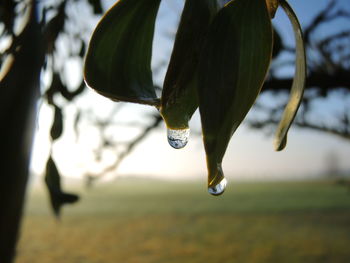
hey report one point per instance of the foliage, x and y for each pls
(118, 62)
(219, 63)
(328, 78)
(53, 182)
(55, 34)
(64, 38)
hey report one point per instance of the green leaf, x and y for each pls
(179, 99)
(298, 85)
(57, 125)
(53, 183)
(232, 69)
(118, 61)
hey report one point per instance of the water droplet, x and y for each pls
(219, 188)
(178, 138)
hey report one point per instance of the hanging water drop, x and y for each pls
(178, 138)
(216, 178)
(219, 188)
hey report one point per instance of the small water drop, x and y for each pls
(219, 188)
(178, 138)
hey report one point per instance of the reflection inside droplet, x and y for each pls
(178, 138)
(219, 188)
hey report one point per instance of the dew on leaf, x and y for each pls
(218, 188)
(178, 138)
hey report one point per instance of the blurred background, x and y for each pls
(143, 201)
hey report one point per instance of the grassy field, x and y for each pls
(153, 221)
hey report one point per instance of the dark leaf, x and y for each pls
(179, 99)
(232, 70)
(118, 60)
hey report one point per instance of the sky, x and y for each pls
(250, 155)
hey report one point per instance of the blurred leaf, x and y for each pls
(96, 5)
(179, 99)
(232, 70)
(298, 85)
(118, 61)
(53, 183)
(57, 125)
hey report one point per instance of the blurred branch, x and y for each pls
(344, 134)
(322, 81)
(328, 71)
(129, 147)
(270, 123)
(324, 16)
(321, 18)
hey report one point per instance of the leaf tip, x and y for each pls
(280, 144)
